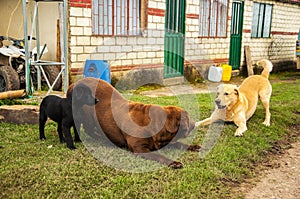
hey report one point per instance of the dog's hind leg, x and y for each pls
(266, 105)
(42, 121)
(265, 100)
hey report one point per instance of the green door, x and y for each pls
(236, 34)
(174, 38)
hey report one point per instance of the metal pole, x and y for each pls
(32, 26)
(37, 35)
(27, 72)
(37, 30)
(65, 54)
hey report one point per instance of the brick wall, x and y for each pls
(146, 51)
(122, 53)
(81, 3)
(203, 50)
(284, 32)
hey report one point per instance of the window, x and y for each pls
(213, 18)
(261, 20)
(117, 17)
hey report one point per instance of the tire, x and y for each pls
(9, 79)
(51, 73)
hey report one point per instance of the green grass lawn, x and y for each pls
(31, 168)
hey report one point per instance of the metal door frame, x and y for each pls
(174, 38)
(236, 33)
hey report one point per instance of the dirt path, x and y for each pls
(282, 182)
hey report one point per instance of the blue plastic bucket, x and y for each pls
(97, 69)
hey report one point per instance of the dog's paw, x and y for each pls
(175, 165)
(266, 123)
(238, 134)
(194, 147)
(77, 140)
(72, 147)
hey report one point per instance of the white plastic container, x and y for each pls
(215, 74)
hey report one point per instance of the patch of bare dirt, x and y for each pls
(278, 178)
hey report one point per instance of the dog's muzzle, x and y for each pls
(218, 103)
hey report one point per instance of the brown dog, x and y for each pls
(238, 104)
(142, 128)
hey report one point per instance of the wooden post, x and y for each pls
(248, 60)
(297, 50)
(58, 47)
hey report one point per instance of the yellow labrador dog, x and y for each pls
(238, 104)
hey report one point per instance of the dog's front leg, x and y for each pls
(242, 127)
(66, 126)
(77, 138)
(142, 150)
(204, 122)
(159, 158)
(68, 138)
(179, 145)
(215, 116)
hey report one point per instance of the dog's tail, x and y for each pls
(267, 65)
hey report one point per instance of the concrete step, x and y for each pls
(173, 81)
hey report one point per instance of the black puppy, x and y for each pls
(60, 110)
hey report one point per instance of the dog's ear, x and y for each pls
(236, 91)
(70, 90)
(79, 91)
(82, 95)
(173, 120)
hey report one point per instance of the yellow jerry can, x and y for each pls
(226, 75)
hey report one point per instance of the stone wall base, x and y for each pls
(19, 114)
